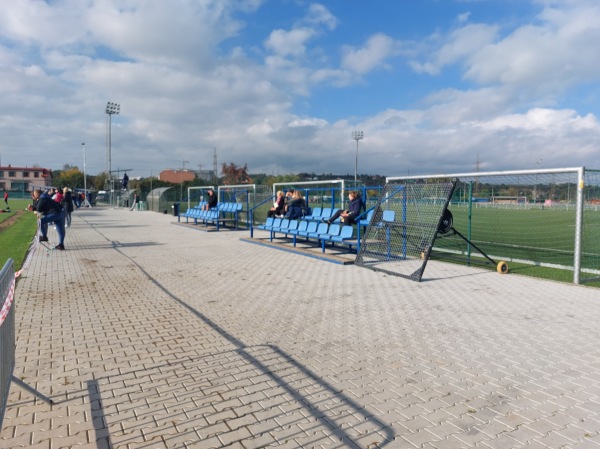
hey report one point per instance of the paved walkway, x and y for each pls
(151, 335)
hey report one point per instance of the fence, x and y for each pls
(531, 218)
(7, 332)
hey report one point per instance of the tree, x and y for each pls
(101, 181)
(232, 174)
(70, 177)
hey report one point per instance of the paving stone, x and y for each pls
(151, 334)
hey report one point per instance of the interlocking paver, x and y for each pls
(148, 334)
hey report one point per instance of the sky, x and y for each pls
(436, 86)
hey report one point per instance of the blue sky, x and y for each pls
(435, 85)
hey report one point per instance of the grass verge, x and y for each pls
(16, 238)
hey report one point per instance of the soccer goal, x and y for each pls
(529, 218)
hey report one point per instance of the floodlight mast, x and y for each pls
(356, 135)
(111, 109)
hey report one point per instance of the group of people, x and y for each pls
(53, 206)
(292, 205)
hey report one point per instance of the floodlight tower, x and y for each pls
(111, 109)
(356, 135)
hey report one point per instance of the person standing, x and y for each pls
(135, 200)
(68, 205)
(58, 196)
(6, 199)
(49, 211)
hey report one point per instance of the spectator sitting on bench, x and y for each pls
(287, 199)
(297, 207)
(278, 205)
(212, 200)
(348, 215)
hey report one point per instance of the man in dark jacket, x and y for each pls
(49, 211)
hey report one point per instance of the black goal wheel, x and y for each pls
(446, 222)
(502, 267)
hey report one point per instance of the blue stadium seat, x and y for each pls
(388, 216)
(268, 225)
(345, 233)
(312, 227)
(292, 227)
(302, 225)
(332, 231)
(315, 215)
(321, 229)
(325, 213)
(282, 228)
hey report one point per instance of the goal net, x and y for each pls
(542, 222)
(404, 225)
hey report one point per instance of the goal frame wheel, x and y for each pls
(502, 267)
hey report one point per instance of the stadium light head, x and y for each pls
(358, 135)
(112, 108)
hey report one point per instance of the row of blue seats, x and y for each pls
(201, 216)
(193, 212)
(322, 232)
(223, 212)
(336, 232)
(321, 213)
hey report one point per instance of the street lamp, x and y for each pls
(85, 195)
(111, 108)
(356, 135)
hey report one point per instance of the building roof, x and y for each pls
(10, 167)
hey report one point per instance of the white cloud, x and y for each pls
(373, 55)
(188, 82)
(289, 43)
(320, 15)
(548, 57)
(458, 46)
(308, 122)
